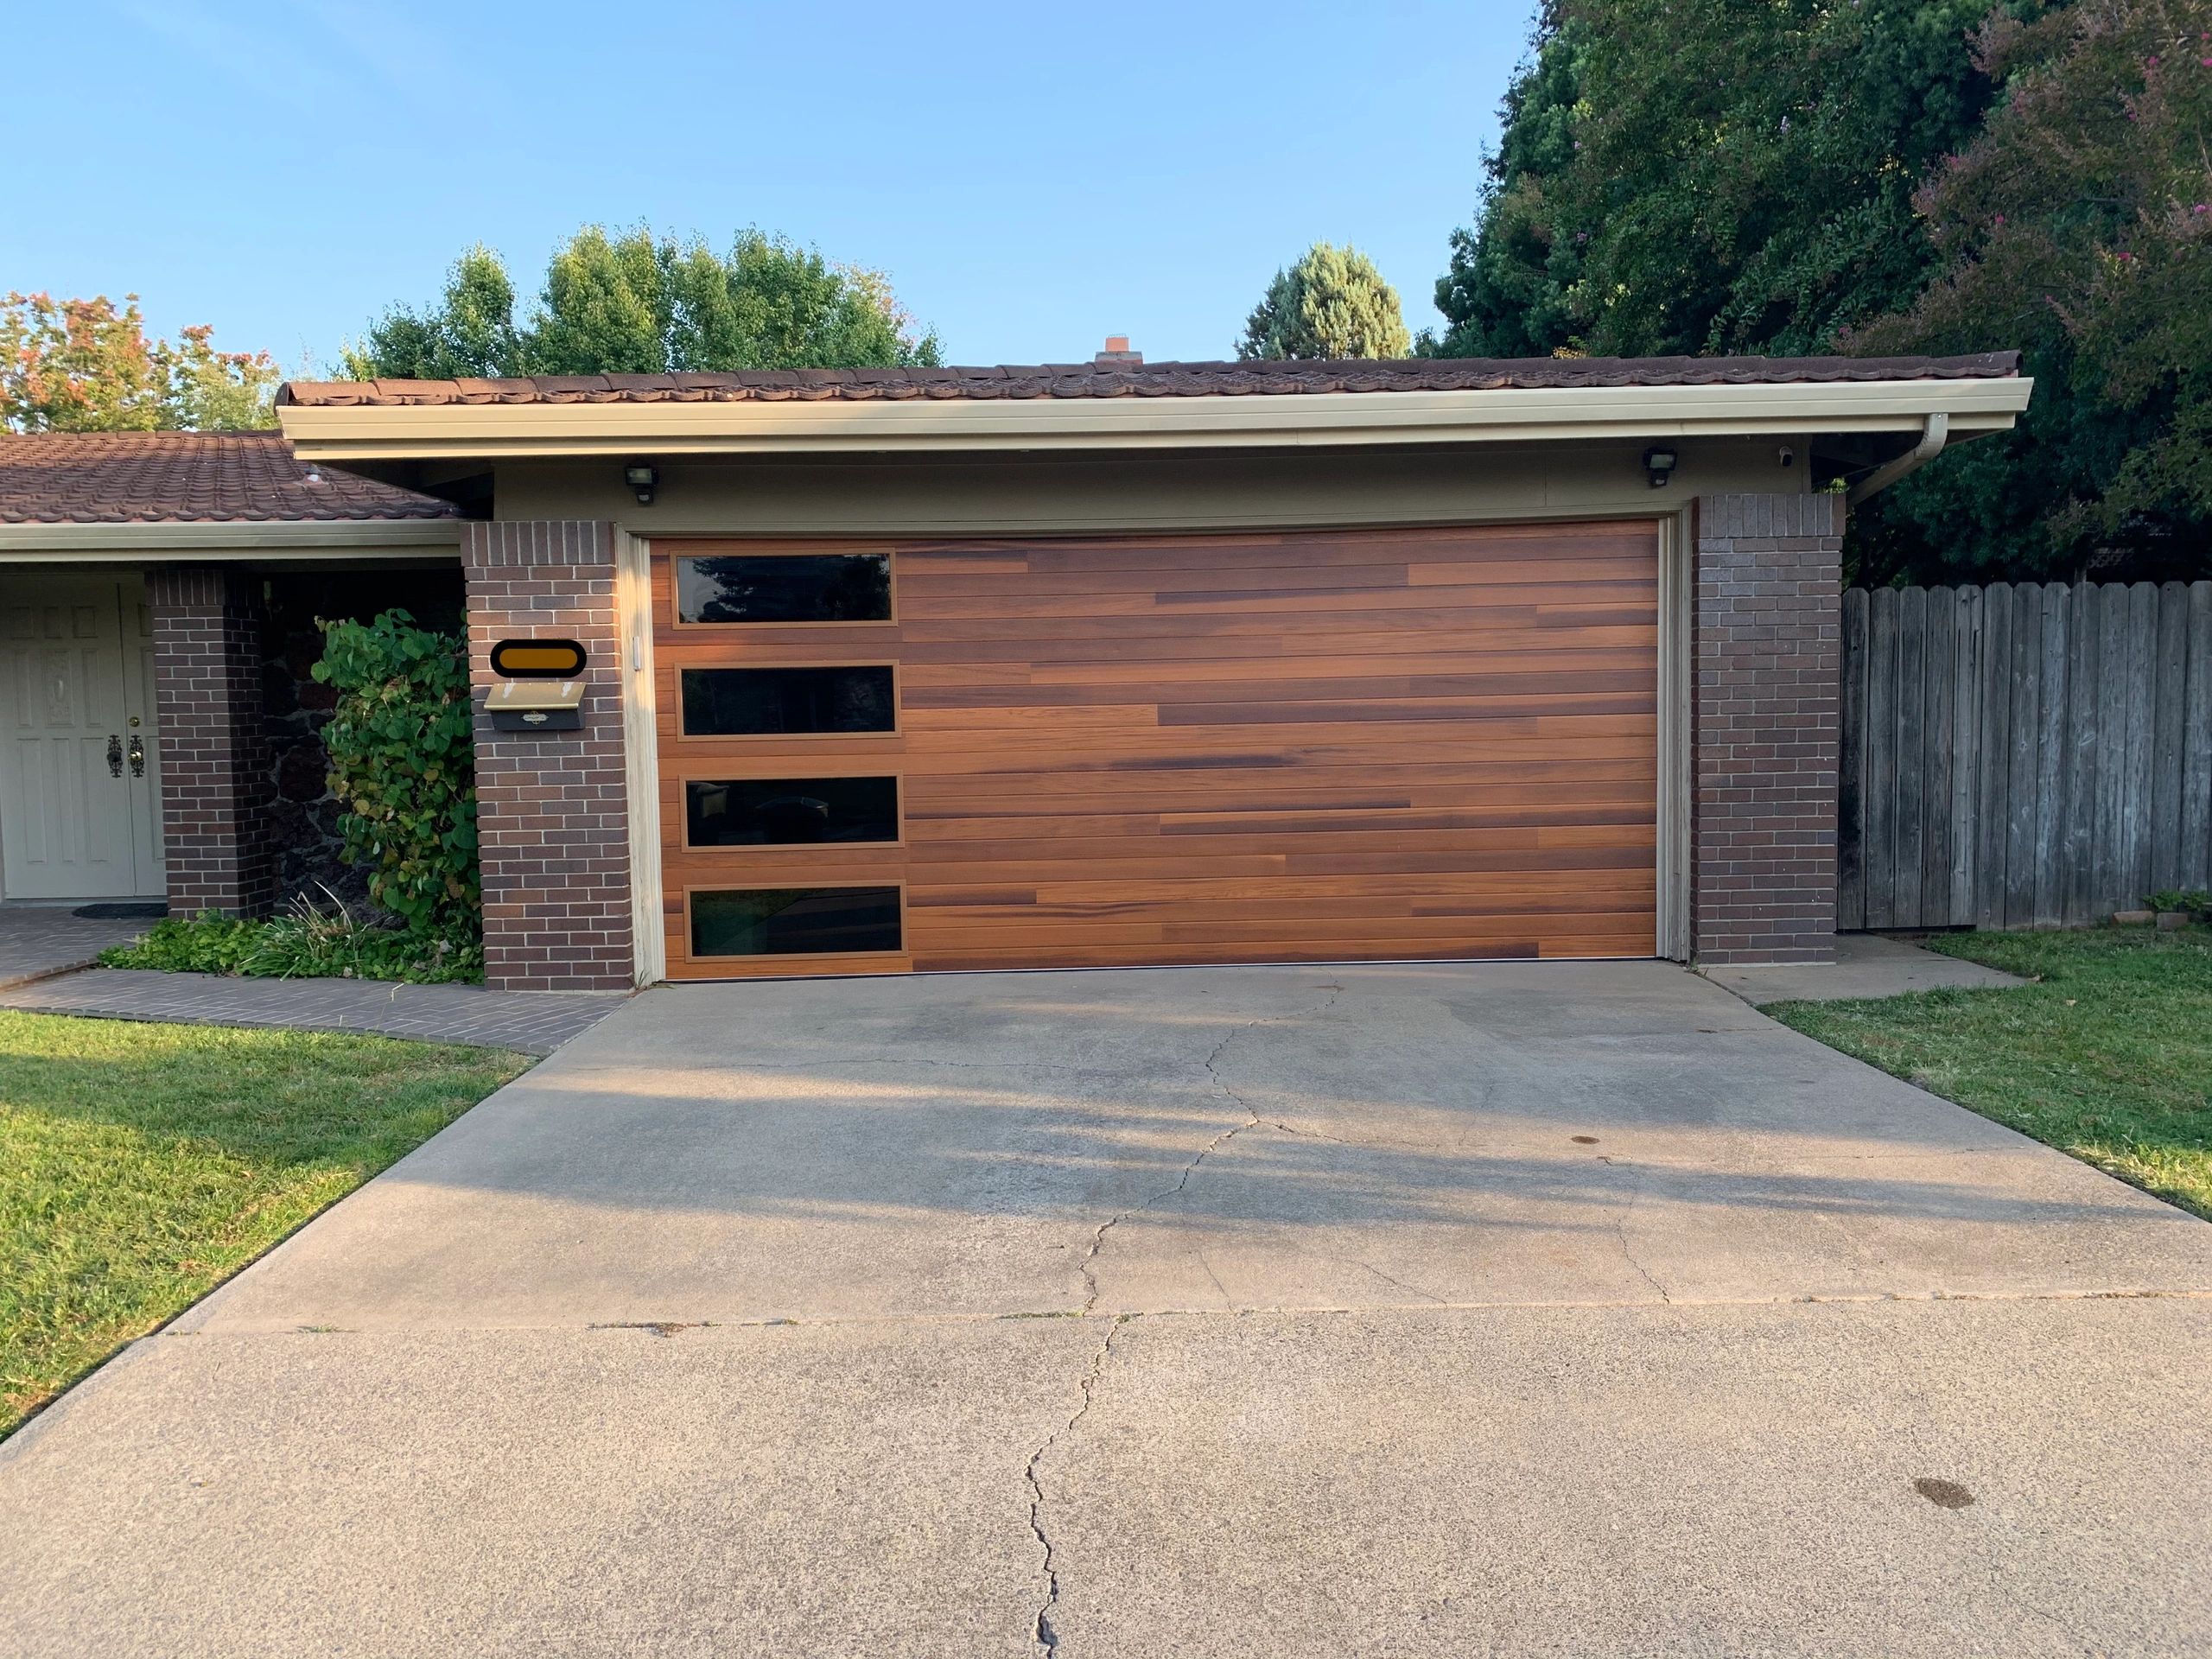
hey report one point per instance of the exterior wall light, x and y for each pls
(1659, 466)
(642, 478)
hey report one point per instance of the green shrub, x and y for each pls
(402, 762)
(2195, 902)
(309, 941)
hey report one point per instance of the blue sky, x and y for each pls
(1032, 176)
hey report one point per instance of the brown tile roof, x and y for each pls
(1149, 379)
(133, 477)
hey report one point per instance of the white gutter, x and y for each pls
(1933, 436)
(1787, 409)
(246, 540)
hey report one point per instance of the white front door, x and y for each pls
(80, 778)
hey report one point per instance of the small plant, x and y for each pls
(311, 939)
(403, 760)
(2195, 902)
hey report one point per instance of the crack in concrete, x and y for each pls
(1227, 1300)
(1369, 1268)
(1252, 1121)
(1620, 1233)
(1047, 1638)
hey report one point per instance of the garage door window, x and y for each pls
(766, 588)
(789, 811)
(776, 701)
(795, 921)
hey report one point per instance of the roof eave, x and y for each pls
(1253, 420)
(247, 539)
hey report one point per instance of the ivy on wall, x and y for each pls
(402, 762)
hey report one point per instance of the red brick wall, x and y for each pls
(1766, 632)
(214, 754)
(551, 806)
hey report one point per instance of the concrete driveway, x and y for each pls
(1542, 1308)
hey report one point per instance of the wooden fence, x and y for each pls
(2023, 756)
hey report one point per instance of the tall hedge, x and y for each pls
(403, 760)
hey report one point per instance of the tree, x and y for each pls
(2078, 225)
(1506, 292)
(1713, 175)
(642, 304)
(1794, 176)
(1333, 303)
(83, 365)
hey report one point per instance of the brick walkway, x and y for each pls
(532, 1023)
(36, 941)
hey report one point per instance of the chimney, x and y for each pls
(1117, 351)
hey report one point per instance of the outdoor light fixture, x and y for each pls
(642, 478)
(1659, 466)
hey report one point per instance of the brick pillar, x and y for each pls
(216, 834)
(552, 807)
(1765, 651)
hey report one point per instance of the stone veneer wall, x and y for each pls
(1766, 642)
(552, 806)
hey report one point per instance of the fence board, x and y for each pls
(1940, 726)
(2020, 767)
(2142, 681)
(2082, 678)
(1881, 753)
(1911, 751)
(1850, 796)
(2020, 756)
(2197, 745)
(2170, 665)
(2111, 846)
(2048, 888)
(1965, 752)
(1996, 753)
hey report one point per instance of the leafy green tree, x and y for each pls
(1506, 292)
(1793, 176)
(1333, 302)
(2079, 225)
(470, 332)
(84, 366)
(639, 303)
(1713, 175)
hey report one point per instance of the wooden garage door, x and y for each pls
(1054, 752)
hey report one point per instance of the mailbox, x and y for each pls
(537, 706)
(544, 689)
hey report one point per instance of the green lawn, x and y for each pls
(142, 1165)
(2108, 1055)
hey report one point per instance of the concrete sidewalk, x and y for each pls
(1427, 1310)
(1866, 964)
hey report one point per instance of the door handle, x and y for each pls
(138, 755)
(114, 754)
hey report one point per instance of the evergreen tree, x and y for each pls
(1333, 303)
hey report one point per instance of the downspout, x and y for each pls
(1930, 446)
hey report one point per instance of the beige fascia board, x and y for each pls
(247, 541)
(829, 425)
